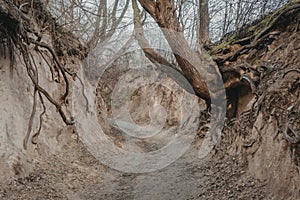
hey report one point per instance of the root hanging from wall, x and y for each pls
(18, 34)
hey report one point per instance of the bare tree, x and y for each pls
(94, 21)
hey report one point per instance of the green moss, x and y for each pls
(222, 46)
(265, 22)
(206, 56)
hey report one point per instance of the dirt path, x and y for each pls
(75, 174)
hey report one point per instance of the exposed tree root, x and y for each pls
(25, 141)
(36, 135)
(59, 65)
(291, 70)
(12, 17)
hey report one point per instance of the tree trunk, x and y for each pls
(204, 23)
(200, 71)
(149, 52)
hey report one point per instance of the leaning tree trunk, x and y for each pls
(149, 52)
(199, 70)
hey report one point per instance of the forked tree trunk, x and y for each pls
(149, 52)
(199, 70)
